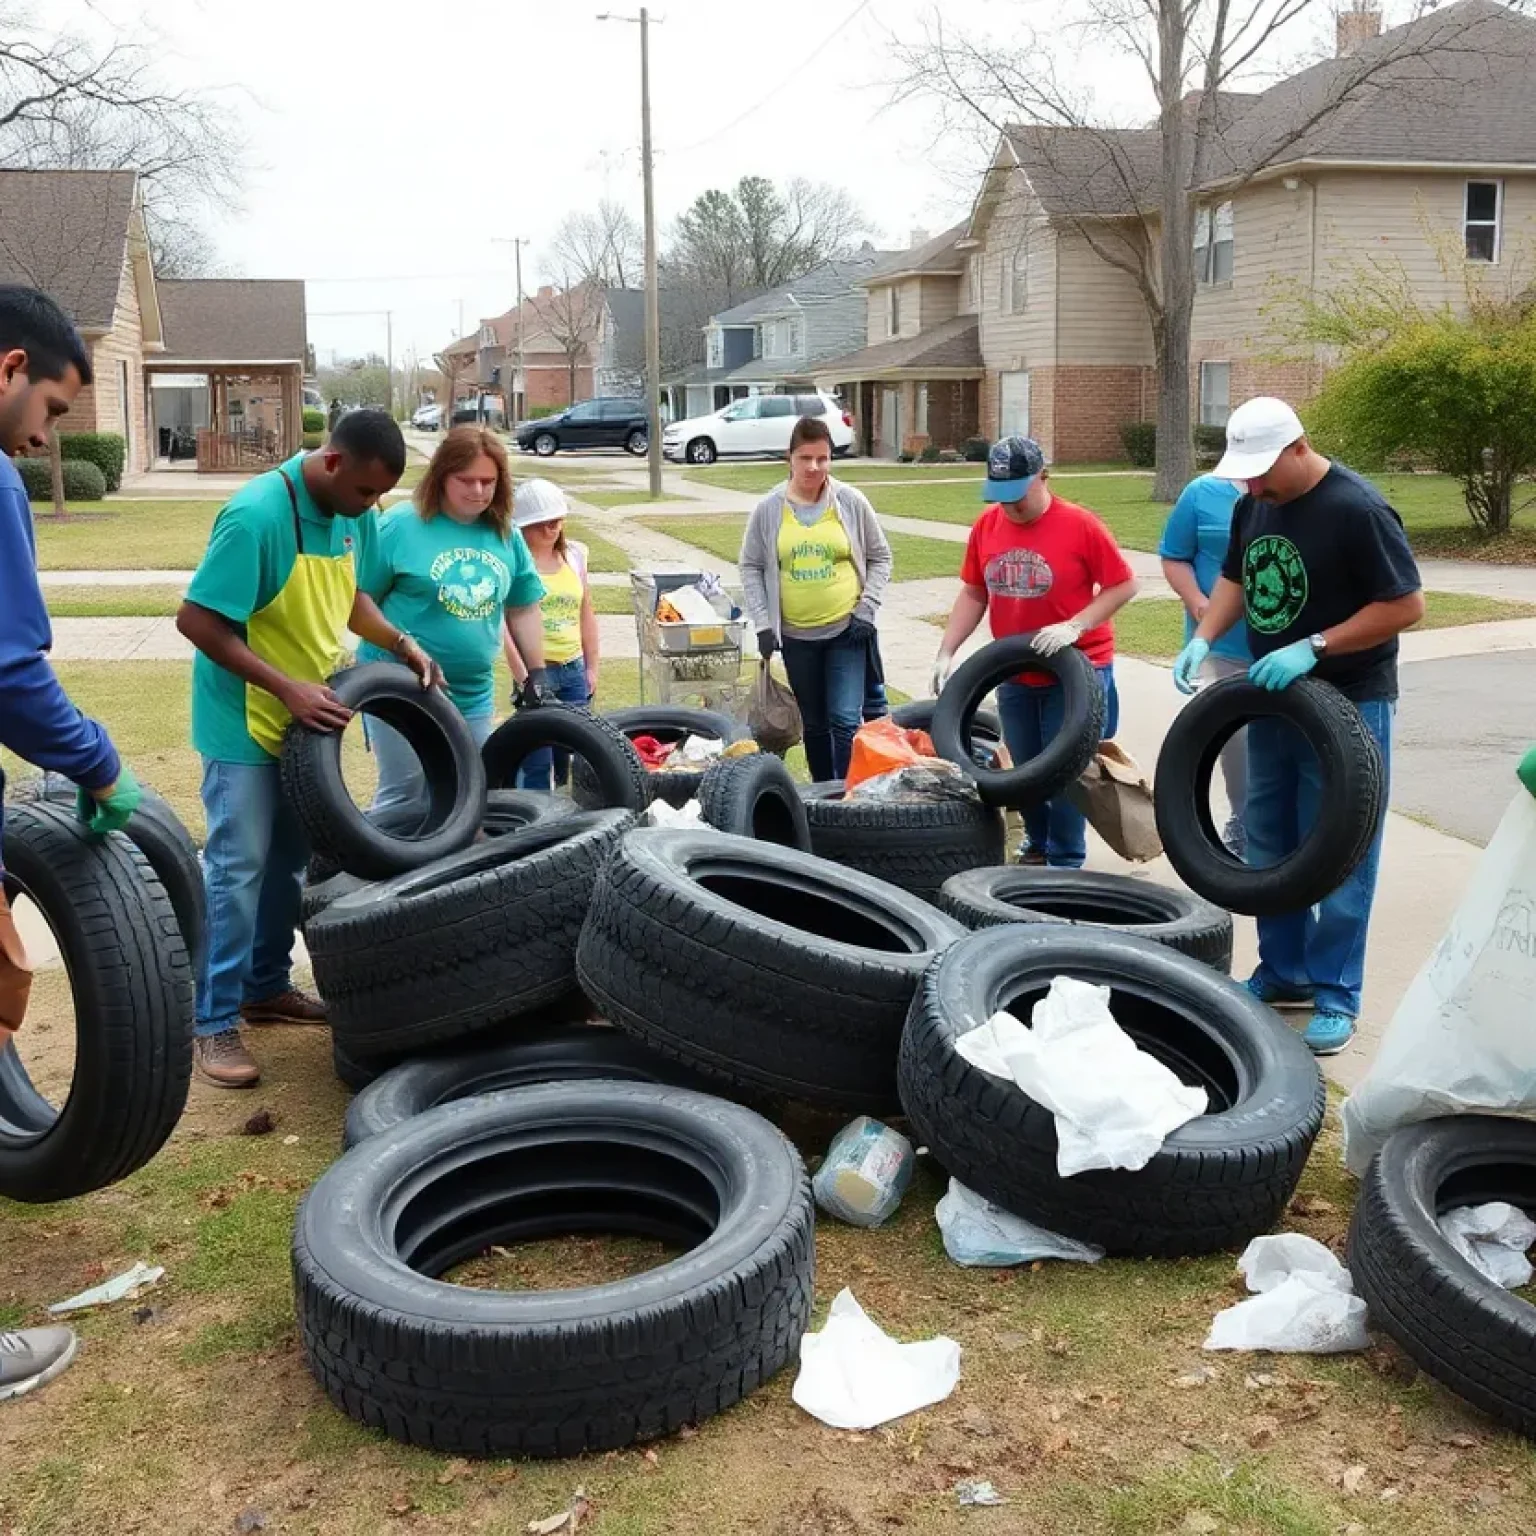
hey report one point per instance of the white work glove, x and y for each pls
(1057, 637)
(943, 665)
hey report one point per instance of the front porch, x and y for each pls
(224, 418)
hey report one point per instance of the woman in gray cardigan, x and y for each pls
(814, 566)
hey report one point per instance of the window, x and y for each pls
(743, 410)
(775, 405)
(1013, 287)
(1213, 244)
(588, 410)
(619, 409)
(921, 425)
(1485, 202)
(793, 347)
(893, 310)
(1215, 394)
(973, 283)
(810, 405)
(716, 349)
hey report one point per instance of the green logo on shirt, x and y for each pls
(1274, 583)
(470, 582)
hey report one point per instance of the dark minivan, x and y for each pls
(609, 422)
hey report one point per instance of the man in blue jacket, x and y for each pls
(43, 366)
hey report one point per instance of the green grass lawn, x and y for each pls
(610, 499)
(602, 553)
(125, 535)
(761, 475)
(915, 557)
(90, 602)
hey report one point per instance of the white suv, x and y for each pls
(756, 424)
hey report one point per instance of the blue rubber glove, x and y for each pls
(109, 812)
(1186, 669)
(1281, 668)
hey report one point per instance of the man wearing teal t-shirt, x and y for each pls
(290, 565)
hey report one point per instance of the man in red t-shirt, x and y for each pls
(1036, 562)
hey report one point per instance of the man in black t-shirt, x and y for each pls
(1320, 566)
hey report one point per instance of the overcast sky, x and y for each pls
(381, 135)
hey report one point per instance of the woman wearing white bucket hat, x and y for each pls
(570, 643)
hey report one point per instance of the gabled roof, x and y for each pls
(955, 345)
(233, 319)
(935, 257)
(67, 233)
(627, 307)
(828, 280)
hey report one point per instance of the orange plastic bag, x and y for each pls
(882, 746)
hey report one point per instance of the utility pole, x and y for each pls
(652, 288)
(517, 242)
(389, 361)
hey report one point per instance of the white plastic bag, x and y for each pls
(1493, 1239)
(659, 814)
(1306, 1302)
(865, 1173)
(696, 752)
(981, 1235)
(1461, 1039)
(1114, 1104)
(853, 1375)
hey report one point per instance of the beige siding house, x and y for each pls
(1431, 173)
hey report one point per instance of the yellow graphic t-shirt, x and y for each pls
(561, 608)
(817, 581)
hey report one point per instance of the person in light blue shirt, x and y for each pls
(1193, 546)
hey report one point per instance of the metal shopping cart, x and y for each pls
(688, 663)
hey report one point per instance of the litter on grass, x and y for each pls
(123, 1287)
(853, 1375)
(1305, 1302)
(865, 1173)
(980, 1235)
(659, 814)
(979, 1493)
(1493, 1239)
(1114, 1104)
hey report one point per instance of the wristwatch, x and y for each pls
(1318, 644)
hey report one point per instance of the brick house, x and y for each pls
(917, 379)
(1436, 176)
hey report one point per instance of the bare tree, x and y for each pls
(1134, 194)
(455, 367)
(601, 246)
(572, 314)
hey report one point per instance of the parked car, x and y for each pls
(427, 418)
(609, 422)
(480, 410)
(757, 424)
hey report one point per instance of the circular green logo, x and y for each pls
(1274, 584)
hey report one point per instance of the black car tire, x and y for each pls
(130, 976)
(916, 844)
(1216, 1182)
(991, 898)
(1351, 805)
(352, 1073)
(557, 1054)
(555, 1373)
(637, 443)
(480, 937)
(700, 450)
(1468, 1333)
(986, 728)
(1065, 756)
(618, 775)
(316, 898)
(666, 722)
(760, 966)
(755, 796)
(546, 444)
(162, 837)
(310, 765)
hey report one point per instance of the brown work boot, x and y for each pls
(223, 1060)
(290, 1007)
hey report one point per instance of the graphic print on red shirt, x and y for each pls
(1044, 572)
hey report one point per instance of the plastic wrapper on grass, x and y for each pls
(980, 1235)
(867, 1170)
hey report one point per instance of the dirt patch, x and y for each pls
(562, 1263)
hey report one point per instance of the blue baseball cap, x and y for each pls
(1012, 466)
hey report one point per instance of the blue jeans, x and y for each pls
(402, 788)
(545, 767)
(1320, 950)
(829, 681)
(1030, 718)
(253, 871)
(876, 705)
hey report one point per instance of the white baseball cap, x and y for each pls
(1258, 432)
(538, 501)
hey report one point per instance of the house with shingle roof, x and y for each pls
(1430, 167)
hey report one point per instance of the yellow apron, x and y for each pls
(299, 631)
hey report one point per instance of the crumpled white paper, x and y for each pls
(696, 752)
(1306, 1302)
(1492, 1238)
(1114, 1104)
(853, 1375)
(121, 1287)
(659, 814)
(981, 1235)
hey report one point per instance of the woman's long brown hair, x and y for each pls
(454, 455)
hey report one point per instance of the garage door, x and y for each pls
(1013, 405)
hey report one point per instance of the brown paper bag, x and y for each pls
(1117, 801)
(773, 716)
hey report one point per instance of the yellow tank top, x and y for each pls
(817, 582)
(561, 608)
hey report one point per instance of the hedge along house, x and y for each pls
(227, 392)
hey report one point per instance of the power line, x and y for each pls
(789, 79)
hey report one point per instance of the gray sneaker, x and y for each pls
(1234, 837)
(33, 1357)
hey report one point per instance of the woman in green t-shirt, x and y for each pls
(457, 570)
